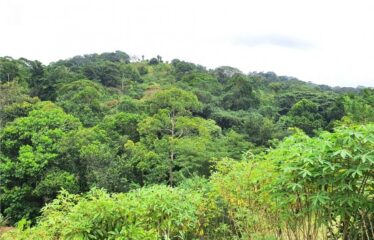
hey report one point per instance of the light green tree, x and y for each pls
(29, 155)
(172, 140)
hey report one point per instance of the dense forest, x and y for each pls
(105, 146)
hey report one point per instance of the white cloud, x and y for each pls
(326, 42)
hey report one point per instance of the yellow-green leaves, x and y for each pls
(29, 150)
(177, 101)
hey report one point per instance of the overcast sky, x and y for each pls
(323, 41)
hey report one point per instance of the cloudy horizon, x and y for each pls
(324, 42)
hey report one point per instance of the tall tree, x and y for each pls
(29, 159)
(172, 133)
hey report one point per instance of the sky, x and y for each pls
(322, 41)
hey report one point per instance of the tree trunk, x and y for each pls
(171, 177)
(171, 146)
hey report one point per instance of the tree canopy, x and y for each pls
(104, 146)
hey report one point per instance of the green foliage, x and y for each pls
(151, 213)
(173, 146)
(54, 77)
(240, 95)
(14, 101)
(360, 108)
(327, 180)
(29, 152)
(153, 61)
(12, 70)
(117, 56)
(225, 72)
(175, 100)
(306, 187)
(233, 145)
(182, 67)
(12, 92)
(39, 85)
(87, 154)
(172, 142)
(201, 81)
(83, 99)
(249, 211)
(3, 220)
(53, 182)
(127, 126)
(304, 115)
(107, 73)
(121, 127)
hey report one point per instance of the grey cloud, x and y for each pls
(273, 39)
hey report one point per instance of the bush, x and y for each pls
(157, 212)
(308, 188)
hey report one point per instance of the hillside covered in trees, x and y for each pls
(101, 146)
